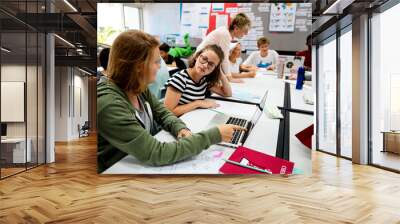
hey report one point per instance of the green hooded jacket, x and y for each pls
(120, 133)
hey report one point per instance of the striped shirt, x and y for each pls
(190, 90)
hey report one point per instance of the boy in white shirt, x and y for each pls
(264, 58)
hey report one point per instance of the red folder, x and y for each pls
(257, 159)
(305, 136)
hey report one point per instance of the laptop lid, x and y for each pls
(291, 62)
(263, 100)
(254, 119)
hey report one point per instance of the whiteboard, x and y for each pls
(12, 101)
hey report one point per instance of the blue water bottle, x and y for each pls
(300, 78)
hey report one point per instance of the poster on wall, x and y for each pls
(195, 19)
(221, 20)
(217, 7)
(282, 17)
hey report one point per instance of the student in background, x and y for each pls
(169, 59)
(157, 87)
(127, 111)
(237, 69)
(103, 59)
(223, 36)
(187, 89)
(307, 54)
(264, 57)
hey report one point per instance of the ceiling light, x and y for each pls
(337, 7)
(64, 40)
(70, 5)
(86, 72)
(5, 50)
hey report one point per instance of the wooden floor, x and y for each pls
(388, 159)
(70, 191)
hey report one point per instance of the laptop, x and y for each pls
(239, 137)
(291, 62)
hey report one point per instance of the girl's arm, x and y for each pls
(224, 89)
(171, 102)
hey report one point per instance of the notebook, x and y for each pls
(305, 136)
(256, 159)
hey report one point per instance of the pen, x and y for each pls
(250, 167)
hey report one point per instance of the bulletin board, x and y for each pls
(286, 38)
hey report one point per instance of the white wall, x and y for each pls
(156, 14)
(14, 73)
(67, 115)
(33, 127)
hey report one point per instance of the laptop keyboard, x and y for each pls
(236, 137)
(237, 121)
(236, 134)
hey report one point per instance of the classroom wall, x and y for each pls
(281, 41)
(163, 18)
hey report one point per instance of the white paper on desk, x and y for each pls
(207, 162)
(245, 96)
(293, 82)
(308, 98)
(264, 71)
(273, 112)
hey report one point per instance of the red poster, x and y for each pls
(212, 20)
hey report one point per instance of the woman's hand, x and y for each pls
(227, 130)
(207, 104)
(184, 133)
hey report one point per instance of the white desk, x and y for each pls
(299, 153)
(207, 162)
(297, 100)
(263, 71)
(264, 136)
(19, 155)
(253, 89)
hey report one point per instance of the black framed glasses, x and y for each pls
(204, 60)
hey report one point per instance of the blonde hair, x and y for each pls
(261, 41)
(239, 21)
(129, 60)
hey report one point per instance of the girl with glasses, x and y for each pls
(186, 89)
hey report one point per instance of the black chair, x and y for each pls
(84, 130)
